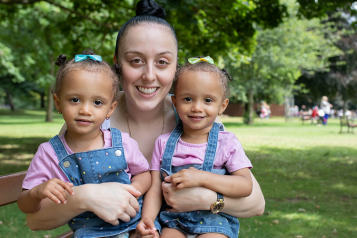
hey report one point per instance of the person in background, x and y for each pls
(326, 107)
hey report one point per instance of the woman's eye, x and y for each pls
(162, 62)
(137, 61)
(208, 100)
(188, 99)
(74, 99)
(98, 102)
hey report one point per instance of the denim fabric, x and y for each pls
(196, 222)
(96, 166)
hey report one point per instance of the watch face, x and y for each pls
(217, 207)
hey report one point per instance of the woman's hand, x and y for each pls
(188, 199)
(112, 201)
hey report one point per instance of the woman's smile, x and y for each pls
(147, 90)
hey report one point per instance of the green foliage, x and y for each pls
(280, 55)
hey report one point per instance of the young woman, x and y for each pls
(146, 51)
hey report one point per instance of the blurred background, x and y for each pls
(284, 56)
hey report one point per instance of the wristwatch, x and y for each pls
(217, 206)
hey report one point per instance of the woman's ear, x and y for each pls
(173, 99)
(224, 105)
(57, 102)
(115, 59)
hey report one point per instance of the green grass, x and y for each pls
(307, 173)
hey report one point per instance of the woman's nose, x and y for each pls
(150, 73)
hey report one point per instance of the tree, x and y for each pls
(280, 55)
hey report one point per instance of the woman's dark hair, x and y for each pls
(223, 75)
(147, 11)
(88, 65)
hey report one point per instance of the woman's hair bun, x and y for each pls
(88, 52)
(150, 7)
(61, 60)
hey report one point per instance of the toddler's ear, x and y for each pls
(111, 109)
(224, 105)
(57, 102)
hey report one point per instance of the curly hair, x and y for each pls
(88, 65)
(223, 75)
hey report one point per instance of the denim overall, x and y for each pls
(96, 166)
(196, 222)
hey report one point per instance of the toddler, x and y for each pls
(197, 153)
(86, 94)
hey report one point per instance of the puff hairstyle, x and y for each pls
(88, 65)
(222, 74)
(147, 11)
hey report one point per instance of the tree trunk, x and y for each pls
(9, 99)
(344, 107)
(42, 95)
(250, 106)
(49, 116)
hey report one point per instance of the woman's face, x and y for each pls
(148, 56)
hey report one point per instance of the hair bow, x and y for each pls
(205, 59)
(78, 58)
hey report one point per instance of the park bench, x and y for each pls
(344, 121)
(10, 188)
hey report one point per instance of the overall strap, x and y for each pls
(211, 147)
(58, 147)
(116, 137)
(171, 145)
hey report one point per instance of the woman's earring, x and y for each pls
(107, 118)
(59, 112)
(219, 114)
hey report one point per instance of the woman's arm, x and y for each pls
(109, 201)
(237, 184)
(199, 198)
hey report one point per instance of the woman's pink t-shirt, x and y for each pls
(44, 166)
(229, 154)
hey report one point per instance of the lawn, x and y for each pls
(307, 174)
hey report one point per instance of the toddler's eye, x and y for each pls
(98, 102)
(208, 100)
(74, 100)
(188, 99)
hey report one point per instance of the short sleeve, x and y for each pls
(43, 167)
(156, 155)
(137, 163)
(235, 156)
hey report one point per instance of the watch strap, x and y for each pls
(219, 196)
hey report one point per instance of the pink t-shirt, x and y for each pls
(44, 166)
(229, 154)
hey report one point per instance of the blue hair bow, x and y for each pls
(78, 58)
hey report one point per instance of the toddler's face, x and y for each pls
(85, 101)
(199, 99)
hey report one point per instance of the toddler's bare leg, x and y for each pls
(212, 235)
(171, 232)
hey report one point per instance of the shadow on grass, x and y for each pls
(309, 192)
(17, 153)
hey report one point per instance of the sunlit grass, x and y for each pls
(307, 173)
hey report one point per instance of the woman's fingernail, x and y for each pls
(65, 202)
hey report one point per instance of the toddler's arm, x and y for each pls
(29, 201)
(141, 182)
(151, 207)
(238, 184)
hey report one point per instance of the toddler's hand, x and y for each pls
(146, 228)
(54, 189)
(187, 178)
